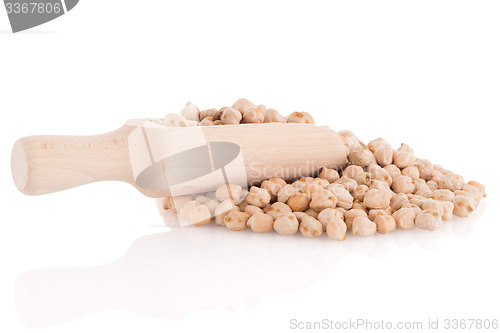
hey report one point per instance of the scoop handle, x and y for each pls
(49, 163)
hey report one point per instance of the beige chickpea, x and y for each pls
(258, 197)
(242, 105)
(286, 192)
(311, 212)
(417, 200)
(344, 198)
(315, 190)
(271, 187)
(376, 198)
(380, 185)
(438, 178)
(230, 116)
(480, 186)
(374, 212)
(453, 182)
(229, 191)
(326, 215)
(222, 210)
(299, 202)
(426, 193)
(300, 117)
(467, 194)
(273, 116)
(323, 201)
(200, 215)
(417, 210)
(443, 195)
(398, 201)
(217, 122)
(362, 226)
(411, 171)
(376, 143)
(301, 215)
(321, 182)
(447, 210)
(252, 210)
(260, 222)
(432, 185)
(329, 174)
(474, 191)
(286, 225)
(383, 155)
(242, 205)
(348, 183)
(352, 171)
(393, 171)
(236, 221)
(186, 208)
(364, 179)
(463, 205)
(358, 205)
(359, 192)
(434, 204)
(208, 121)
(350, 215)
(425, 169)
(253, 115)
(382, 175)
(402, 184)
(210, 113)
(360, 156)
(278, 209)
(310, 227)
(405, 218)
(336, 229)
(385, 223)
(404, 157)
(190, 112)
(300, 185)
(428, 219)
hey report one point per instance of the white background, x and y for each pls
(98, 257)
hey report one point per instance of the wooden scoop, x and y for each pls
(149, 156)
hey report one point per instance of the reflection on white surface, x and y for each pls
(186, 270)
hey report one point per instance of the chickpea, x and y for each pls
(411, 171)
(362, 226)
(438, 178)
(184, 211)
(218, 122)
(242, 105)
(286, 225)
(463, 206)
(344, 198)
(432, 185)
(230, 116)
(480, 186)
(374, 212)
(300, 117)
(224, 208)
(393, 171)
(327, 215)
(300, 215)
(315, 190)
(376, 198)
(453, 182)
(359, 192)
(424, 193)
(465, 193)
(417, 200)
(299, 202)
(417, 210)
(278, 209)
(271, 187)
(310, 227)
(398, 201)
(350, 215)
(358, 205)
(323, 201)
(352, 171)
(385, 223)
(348, 183)
(214, 114)
(448, 210)
(474, 191)
(236, 221)
(229, 191)
(428, 219)
(174, 120)
(404, 157)
(207, 121)
(260, 222)
(321, 182)
(382, 175)
(443, 195)
(405, 218)
(434, 204)
(285, 193)
(273, 116)
(253, 115)
(360, 156)
(402, 184)
(336, 229)
(258, 197)
(364, 179)
(190, 112)
(200, 215)
(425, 169)
(251, 210)
(383, 155)
(380, 185)
(376, 143)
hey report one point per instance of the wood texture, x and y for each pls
(45, 164)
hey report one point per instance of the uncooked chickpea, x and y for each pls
(383, 155)
(404, 157)
(260, 222)
(272, 187)
(398, 201)
(364, 179)
(186, 208)
(299, 202)
(348, 183)
(336, 229)
(352, 171)
(208, 121)
(252, 210)
(376, 198)
(434, 204)
(286, 192)
(310, 227)
(360, 156)
(258, 197)
(242, 105)
(278, 209)
(358, 205)
(411, 171)
(323, 201)
(350, 215)
(428, 219)
(425, 169)
(229, 191)
(286, 225)
(374, 212)
(467, 194)
(200, 215)
(344, 198)
(326, 215)
(474, 191)
(402, 184)
(405, 218)
(480, 186)
(417, 200)
(301, 215)
(362, 226)
(253, 115)
(417, 210)
(448, 210)
(273, 116)
(382, 175)
(236, 220)
(432, 185)
(190, 112)
(212, 113)
(300, 117)
(223, 209)
(463, 205)
(359, 192)
(376, 143)
(230, 116)
(385, 223)
(443, 195)
(393, 171)
(453, 182)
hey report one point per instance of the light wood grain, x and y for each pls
(45, 164)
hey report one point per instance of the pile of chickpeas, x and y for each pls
(380, 189)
